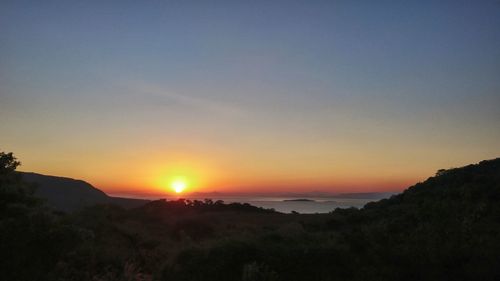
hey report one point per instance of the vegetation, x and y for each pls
(446, 228)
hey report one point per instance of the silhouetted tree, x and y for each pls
(12, 189)
(32, 239)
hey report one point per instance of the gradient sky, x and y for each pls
(338, 96)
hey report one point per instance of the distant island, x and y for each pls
(299, 200)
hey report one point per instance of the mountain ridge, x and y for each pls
(68, 194)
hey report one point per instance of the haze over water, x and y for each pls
(302, 203)
(316, 205)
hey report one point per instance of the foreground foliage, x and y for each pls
(446, 228)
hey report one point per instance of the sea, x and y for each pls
(303, 205)
(288, 205)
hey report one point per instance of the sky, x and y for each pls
(249, 96)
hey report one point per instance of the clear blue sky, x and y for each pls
(257, 92)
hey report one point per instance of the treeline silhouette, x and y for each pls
(445, 228)
(182, 206)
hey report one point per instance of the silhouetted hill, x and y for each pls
(445, 228)
(69, 194)
(456, 191)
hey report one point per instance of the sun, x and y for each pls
(178, 185)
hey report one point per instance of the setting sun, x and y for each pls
(179, 177)
(179, 185)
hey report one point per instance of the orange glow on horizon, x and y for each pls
(170, 184)
(151, 171)
(179, 177)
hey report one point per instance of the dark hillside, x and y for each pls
(469, 185)
(446, 227)
(467, 195)
(68, 194)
